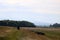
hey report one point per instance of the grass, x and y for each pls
(51, 34)
(10, 33)
(13, 34)
(54, 35)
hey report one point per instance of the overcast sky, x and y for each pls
(31, 10)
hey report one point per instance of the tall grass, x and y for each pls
(51, 34)
(12, 35)
(15, 34)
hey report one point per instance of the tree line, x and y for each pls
(55, 25)
(16, 23)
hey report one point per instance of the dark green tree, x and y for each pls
(55, 25)
(16, 23)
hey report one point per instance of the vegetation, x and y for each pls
(11, 33)
(7, 33)
(50, 33)
(16, 23)
(55, 25)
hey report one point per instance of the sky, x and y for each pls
(47, 11)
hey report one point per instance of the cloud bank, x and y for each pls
(36, 6)
(32, 10)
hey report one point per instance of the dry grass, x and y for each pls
(50, 33)
(10, 33)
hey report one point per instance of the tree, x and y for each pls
(26, 24)
(16, 23)
(55, 25)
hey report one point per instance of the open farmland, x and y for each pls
(10, 33)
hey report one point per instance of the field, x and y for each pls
(11, 33)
